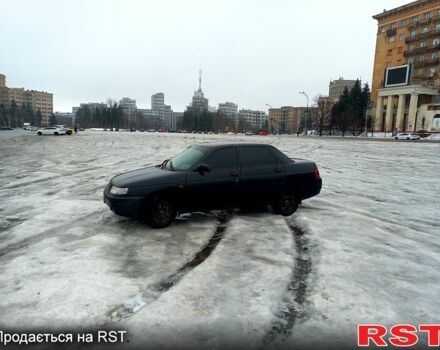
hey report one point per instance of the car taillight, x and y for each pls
(316, 174)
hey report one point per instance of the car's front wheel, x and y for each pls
(56, 133)
(40, 133)
(159, 212)
(286, 205)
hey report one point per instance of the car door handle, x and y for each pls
(234, 173)
(278, 170)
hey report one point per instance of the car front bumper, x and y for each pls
(123, 205)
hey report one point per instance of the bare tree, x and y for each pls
(323, 115)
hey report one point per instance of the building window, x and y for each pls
(399, 50)
(431, 71)
(421, 58)
(402, 37)
(403, 22)
(425, 30)
(436, 122)
(391, 39)
(415, 19)
(434, 56)
(437, 27)
(435, 42)
(420, 72)
(393, 26)
(413, 33)
(423, 44)
(383, 29)
(411, 47)
(410, 60)
(427, 15)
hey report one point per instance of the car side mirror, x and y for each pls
(203, 168)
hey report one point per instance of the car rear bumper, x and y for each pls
(313, 189)
(123, 206)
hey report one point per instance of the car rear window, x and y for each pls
(256, 156)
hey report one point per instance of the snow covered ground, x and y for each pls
(366, 250)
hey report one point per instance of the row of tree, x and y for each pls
(347, 114)
(14, 115)
(110, 116)
(113, 116)
(207, 121)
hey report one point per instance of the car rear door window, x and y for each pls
(224, 158)
(252, 156)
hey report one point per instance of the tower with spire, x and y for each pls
(199, 103)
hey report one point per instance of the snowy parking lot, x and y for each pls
(366, 250)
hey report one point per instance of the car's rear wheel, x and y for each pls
(396, 138)
(286, 205)
(56, 133)
(159, 212)
(40, 133)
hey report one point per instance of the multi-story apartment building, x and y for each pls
(255, 119)
(336, 88)
(37, 100)
(164, 111)
(230, 111)
(157, 101)
(286, 120)
(408, 35)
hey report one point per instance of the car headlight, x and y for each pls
(118, 190)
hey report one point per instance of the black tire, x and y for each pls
(396, 138)
(408, 138)
(286, 205)
(159, 212)
(56, 133)
(40, 133)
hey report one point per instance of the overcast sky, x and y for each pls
(251, 52)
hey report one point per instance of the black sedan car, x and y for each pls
(213, 176)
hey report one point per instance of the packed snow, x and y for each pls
(371, 240)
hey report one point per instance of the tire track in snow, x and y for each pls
(136, 303)
(290, 308)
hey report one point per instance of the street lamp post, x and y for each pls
(366, 118)
(307, 112)
(270, 106)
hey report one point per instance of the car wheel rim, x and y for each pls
(287, 202)
(162, 212)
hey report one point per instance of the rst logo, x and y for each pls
(402, 335)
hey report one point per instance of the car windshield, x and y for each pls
(185, 160)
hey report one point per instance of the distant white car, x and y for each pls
(434, 137)
(407, 137)
(53, 130)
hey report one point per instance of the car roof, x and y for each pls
(226, 144)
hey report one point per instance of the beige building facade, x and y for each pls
(286, 120)
(336, 88)
(38, 100)
(407, 35)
